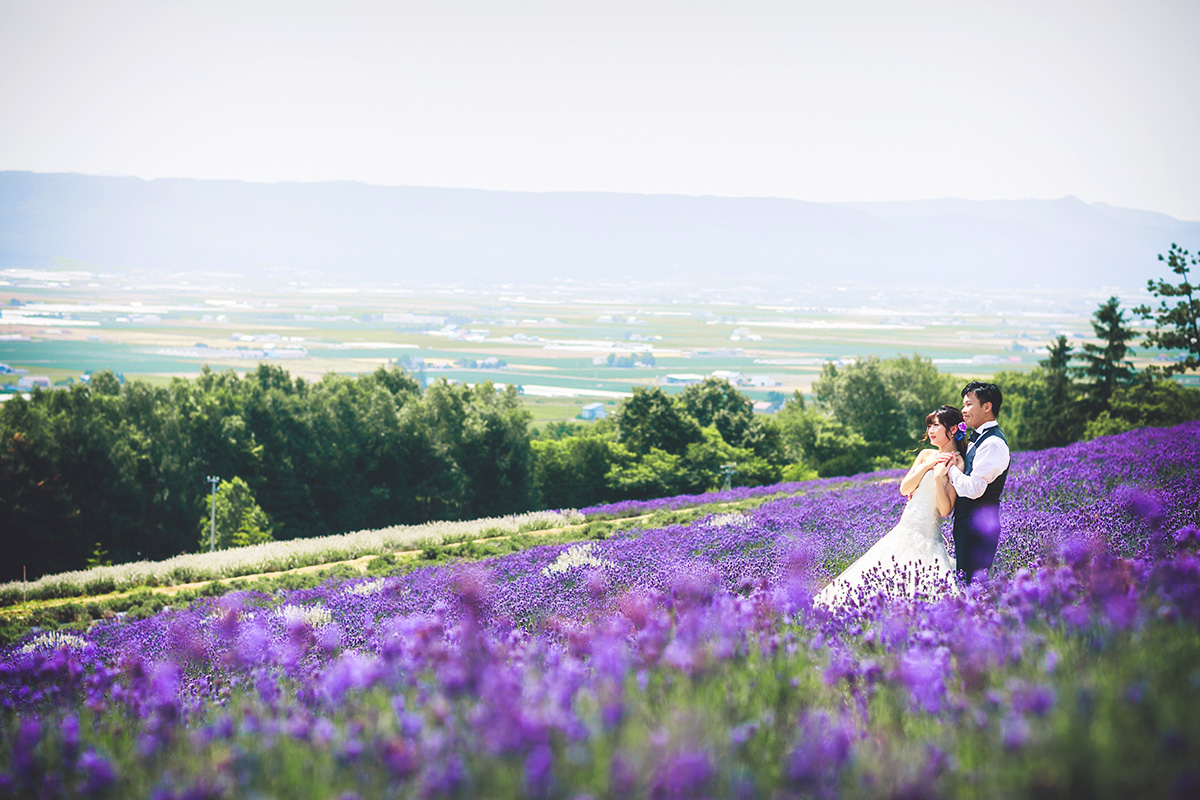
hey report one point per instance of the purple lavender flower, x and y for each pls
(539, 772)
(97, 772)
(923, 673)
(1188, 537)
(683, 775)
(822, 748)
(400, 758)
(1035, 700)
(1014, 732)
(29, 734)
(69, 727)
(350, 671)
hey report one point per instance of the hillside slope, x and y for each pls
(357, 232)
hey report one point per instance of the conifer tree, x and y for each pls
(1057, 421)
(1178, 326)
(1105, 365)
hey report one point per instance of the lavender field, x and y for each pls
(681, 661)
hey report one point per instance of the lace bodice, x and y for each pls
(921, 508)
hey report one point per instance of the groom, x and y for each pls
(980, 482)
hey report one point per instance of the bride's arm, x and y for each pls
(943, 490)
(910, 482)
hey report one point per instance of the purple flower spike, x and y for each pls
(1014, 732)
(923, 673)
(1188, 537)
(684, 776)
(1036, 700)
(1140, 504)
(539, 772)
(98, 773)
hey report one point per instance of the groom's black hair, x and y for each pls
(985, 393)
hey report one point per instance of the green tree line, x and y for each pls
(125, 464)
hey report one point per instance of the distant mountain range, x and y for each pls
(356, 232)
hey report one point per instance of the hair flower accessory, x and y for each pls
(960, 430)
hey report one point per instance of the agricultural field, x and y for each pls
(565, 345)
(670, 649)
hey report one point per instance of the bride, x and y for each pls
(912, 557)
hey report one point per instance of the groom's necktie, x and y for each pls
(974, 437)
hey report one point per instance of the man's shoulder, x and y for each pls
(992, 431)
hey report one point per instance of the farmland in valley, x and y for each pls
(566, 345)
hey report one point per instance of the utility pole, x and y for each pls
(728, 470)
(212, 531)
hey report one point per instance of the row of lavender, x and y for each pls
(680, 662)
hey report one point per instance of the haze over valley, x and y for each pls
(359, 234)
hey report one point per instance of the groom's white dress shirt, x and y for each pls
(991, 459)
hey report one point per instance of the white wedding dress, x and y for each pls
(910, 560)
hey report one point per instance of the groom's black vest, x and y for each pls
(977, 522)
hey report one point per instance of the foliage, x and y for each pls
(1148, 402)
(1042, 408)
(869, 415)
(658, 444)
(98, 558)
(1178, 326)
(651, 420)
(571, 472)
(822, 443)
(239, 521)
(1105, 366)
(885, 400)
(859, 398)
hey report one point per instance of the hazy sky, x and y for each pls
(832, 100)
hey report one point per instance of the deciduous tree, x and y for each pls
(239, 519)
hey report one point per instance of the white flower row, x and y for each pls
(52, 640)
(368, 587)
(313, 616)
(283, 555)
(732, 519)
(575, 556)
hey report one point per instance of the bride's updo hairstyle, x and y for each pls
(950, 417)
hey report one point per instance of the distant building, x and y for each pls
(404, 318)
(682, 379)
(593, 411)
(30, 381)
(765, 407)
(734, 378)
(744, 334)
